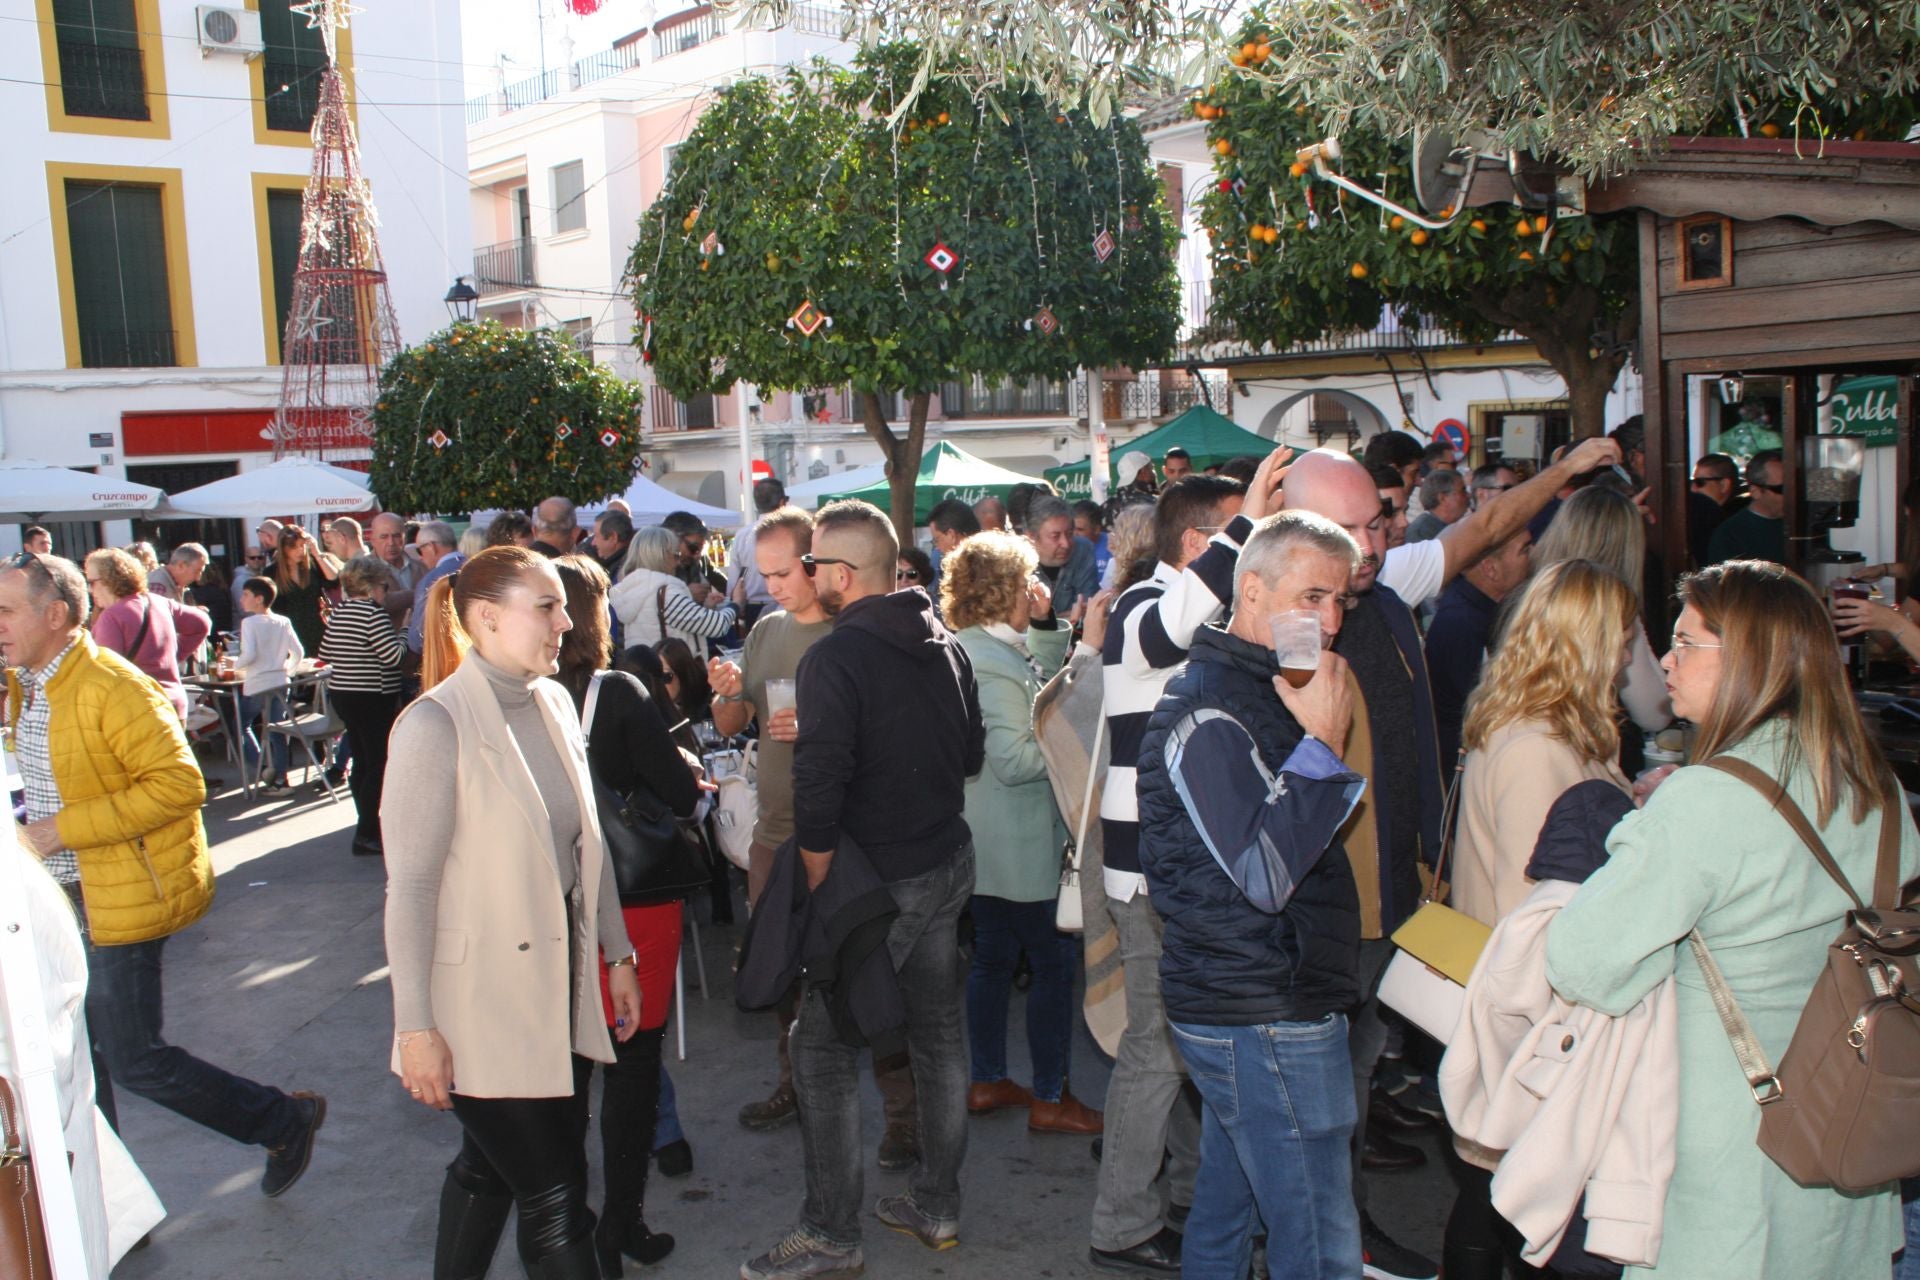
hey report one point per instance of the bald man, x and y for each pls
(1396, 826)
(893, 785)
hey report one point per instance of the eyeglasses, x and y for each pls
(1682, 647)
(811, 563)
(1702, 481)
(1388, 510)
(1492, 488)
(1770, 488)
(906, 575)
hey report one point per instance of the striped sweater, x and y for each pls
(1149, 631)
(362, 649)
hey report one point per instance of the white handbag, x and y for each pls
(736, 805)
(1067, 914)
(1426, 980)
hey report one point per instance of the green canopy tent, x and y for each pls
(945, 472)
(1210, 436)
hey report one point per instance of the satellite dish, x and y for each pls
(1442, 168)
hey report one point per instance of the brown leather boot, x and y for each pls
(1001, 1095)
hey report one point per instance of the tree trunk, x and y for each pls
(1560, 325)
(902, 456)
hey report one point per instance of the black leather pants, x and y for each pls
(533, 1149)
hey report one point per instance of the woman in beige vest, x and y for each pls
(500, 910)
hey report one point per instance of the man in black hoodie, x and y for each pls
(890, 730)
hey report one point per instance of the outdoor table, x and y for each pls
(226, 691)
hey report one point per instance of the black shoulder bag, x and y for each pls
(653, 859)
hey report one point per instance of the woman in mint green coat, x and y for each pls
(1003, 619)
(1755, 665)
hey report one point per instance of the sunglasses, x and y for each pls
(906, 575)
(1491, 488)
(811, 563)
(1389, 510)
(1770, 488)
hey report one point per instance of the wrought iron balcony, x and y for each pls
(977, 399)
(1206, 337)
(100, 80)
(681, 36)
(120, 348)
(667, 412)
(504, 267)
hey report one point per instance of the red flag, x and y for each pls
(584, 7)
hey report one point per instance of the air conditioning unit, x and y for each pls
(224, 30)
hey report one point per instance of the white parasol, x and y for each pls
(41, 491)
(289, 487)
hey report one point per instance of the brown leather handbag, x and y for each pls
(23, 1232)
(1841, 1108)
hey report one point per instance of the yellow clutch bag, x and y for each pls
(1426, 981)
(1444, 940)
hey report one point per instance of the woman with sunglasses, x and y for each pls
(1755, 666)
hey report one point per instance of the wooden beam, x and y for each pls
(1903, 442)
(1800, 418)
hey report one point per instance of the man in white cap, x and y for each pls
(1141, 485)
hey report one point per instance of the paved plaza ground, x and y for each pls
(285, 981)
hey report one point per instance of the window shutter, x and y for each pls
(569, 205)
(283, 242)
(100, 69)
(118, 242)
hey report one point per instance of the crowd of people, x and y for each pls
(1469, 720)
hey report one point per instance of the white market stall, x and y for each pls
(809, 493)
(651, 502)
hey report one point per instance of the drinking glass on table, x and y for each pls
(1296, 642)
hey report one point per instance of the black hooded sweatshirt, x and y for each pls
(890, 731)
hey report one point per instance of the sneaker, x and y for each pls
(276, 786)
(805, 1256)
(1382, 1258)
(286, 1162)
(903, 1215)
(779, 1109)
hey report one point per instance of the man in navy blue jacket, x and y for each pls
(1242, 795)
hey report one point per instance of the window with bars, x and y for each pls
(123, 304)
(580, 334)
(100, 69)
(290, 68)
(283, 243)
(569, 192)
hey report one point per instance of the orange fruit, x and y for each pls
(1566, 256)
(1419, 238)
(1526, 256)
(1238, 59)
(945, 118)
(1273, 235)
(1478, 225)
(1859, 135)
(1249, 50)
(1358, 271)
(1523, 228)
(1769, 130)
(1297, 169)
(1447, 212)
(1262, 51)
(1300, 225)
(1397, 222)
(1223, 147)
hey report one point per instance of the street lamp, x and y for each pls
(461, 300)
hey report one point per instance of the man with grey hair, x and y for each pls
(437, 542)
(612, 535)
(554, 530)
(1243, 791)
(991, 513)
(1443, 500)
(388, 536)
(1066, 561)
(113, 800)
(183, 568)
(267, 533)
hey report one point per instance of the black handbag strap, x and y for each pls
(1887, 863)
(146, 623)
(1448, 819)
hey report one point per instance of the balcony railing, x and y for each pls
(978, 399)
(1206, 336)
(127, 348)
(690, 34)
(293, 92)
(98, 80)
(504, 267)
(667, 412)
(819, 20)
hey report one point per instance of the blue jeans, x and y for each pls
(1277, 1113)
(124, 1016)
(924, 945)
(666, 1128)
(1001, 930)
(274, 703)
(1908, 1267)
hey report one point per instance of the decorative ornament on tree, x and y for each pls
(1103, 245)
(609, 437)
(562, 431)
(1132, 222)
(942, 260)
(711, 245)
(808, 318)
(439, 439)
(1045, 321)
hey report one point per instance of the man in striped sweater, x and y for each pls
(1199, 526)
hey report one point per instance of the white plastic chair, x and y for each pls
(317, 728)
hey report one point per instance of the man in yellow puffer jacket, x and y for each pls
(113, 808)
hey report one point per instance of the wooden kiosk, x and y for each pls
(1778, 258)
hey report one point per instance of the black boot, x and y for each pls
(612, 1238)
(1469, 1262)
(470, 1227)
(575, 1262)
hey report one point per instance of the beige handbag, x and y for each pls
(1426, 981)
(1840, 1109)
(1068, 915)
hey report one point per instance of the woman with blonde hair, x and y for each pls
(1004, 619)
(654, 605)
(1540, 721)
(1755, 666)
(1607, 527)
(502, 916)
(1130, 543)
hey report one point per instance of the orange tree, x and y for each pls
(1295, 258)
(479, 416)
(791, 246)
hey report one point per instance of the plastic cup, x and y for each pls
(779, 697)
(1296, 642)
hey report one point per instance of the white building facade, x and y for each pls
(148, 244)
